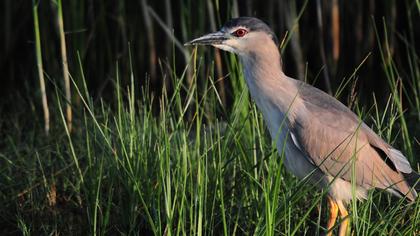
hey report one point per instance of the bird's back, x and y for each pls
(335, 139)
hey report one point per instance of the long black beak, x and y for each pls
(209, 39)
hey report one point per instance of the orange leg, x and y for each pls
(333, 215)
(344, 215)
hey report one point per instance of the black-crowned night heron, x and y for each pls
(323, 139)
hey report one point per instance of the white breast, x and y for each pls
(277, 113)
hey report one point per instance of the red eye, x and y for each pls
(240, 32)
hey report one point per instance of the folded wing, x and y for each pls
(342, 146)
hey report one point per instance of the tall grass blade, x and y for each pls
(63, 50)
(40, 67)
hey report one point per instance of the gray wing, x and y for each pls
(334, 139)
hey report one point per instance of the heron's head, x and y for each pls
(241, 35)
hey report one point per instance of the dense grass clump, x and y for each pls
(128, 169)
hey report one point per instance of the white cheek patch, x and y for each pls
(229, 45)
(224, 47)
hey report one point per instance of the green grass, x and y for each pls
(131, 170)
(183, 163)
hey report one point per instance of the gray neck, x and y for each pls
(265, 78)
(263, 60)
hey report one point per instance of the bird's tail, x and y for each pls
(413, 179)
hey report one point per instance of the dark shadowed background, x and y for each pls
(330, 39)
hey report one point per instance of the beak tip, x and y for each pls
(208, 39)
(192, 43)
